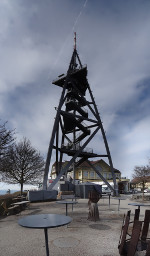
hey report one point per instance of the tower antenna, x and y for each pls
(75, 40)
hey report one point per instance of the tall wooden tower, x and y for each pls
(76, 123)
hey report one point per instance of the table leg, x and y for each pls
(109, 200)
(46, 241)
(66, 209)
(118, 204)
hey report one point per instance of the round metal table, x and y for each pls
(44, 221)
(119, 198)
(139, 204)
(67, 202)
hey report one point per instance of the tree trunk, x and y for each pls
(21, 188)
(143, 185)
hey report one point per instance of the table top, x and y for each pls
(22, 202)
(18, 198)
(66, 202)
(44, 221)
(139, 204)
(119, 198)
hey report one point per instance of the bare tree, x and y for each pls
(141, 175)
(23, 165)
(6, 139)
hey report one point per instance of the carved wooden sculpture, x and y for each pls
(93, 207)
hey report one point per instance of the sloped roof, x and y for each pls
(54, 165)
(85, 164)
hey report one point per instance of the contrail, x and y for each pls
(76, 21)
(72, 30)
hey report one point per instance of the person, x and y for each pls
(8, 191)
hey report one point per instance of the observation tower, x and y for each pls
(76, 124)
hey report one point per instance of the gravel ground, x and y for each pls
(80, 237)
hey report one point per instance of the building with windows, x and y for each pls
(85, 172)
(138, 182)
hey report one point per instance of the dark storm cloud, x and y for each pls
(113, 38)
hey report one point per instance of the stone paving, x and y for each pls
(80, 237)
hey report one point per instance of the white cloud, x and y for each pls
(137, 139)
(112, 38)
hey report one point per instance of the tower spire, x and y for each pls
(75, 40)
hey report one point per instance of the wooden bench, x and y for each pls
(68, 197)
(22, 205)
(138, 240)
(128, 247)
(13, 209)
(64, 197)
(10, 210)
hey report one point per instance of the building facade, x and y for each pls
(85, 173)
(137, 183)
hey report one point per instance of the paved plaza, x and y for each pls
(80, 237)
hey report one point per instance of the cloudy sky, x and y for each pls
(113, 39)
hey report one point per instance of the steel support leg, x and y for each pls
(66, 209)
(46, 241)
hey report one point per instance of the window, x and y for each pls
(110, 176)
(79, 173)
(85, 174)
(92, 174)
(117, 176)
(105, 175)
